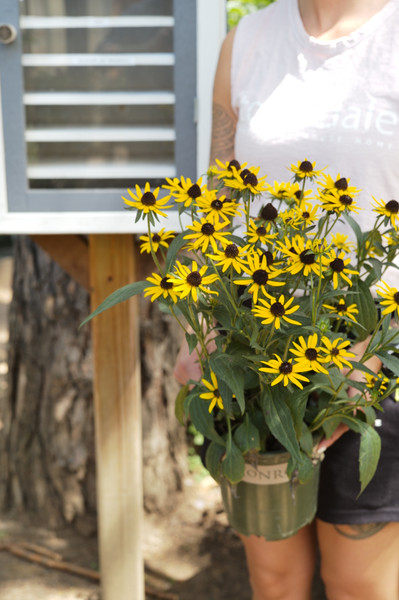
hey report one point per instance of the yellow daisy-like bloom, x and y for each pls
(343, 309)
(283, 190)
(336, 353)
(260, 275)
(306, 213)
(259, 233)
(391, 298)
(147, 201)
(305, 168)
(275, 311)
(285, 370)
(288, 218)
(217, 209)
(309, 354)
(389, 209)
(338, 265)
(248, 180)
(231, 256)
(188, 281)
(213, 395)
(340, 241)
(392, 238)
(377, 381)
(184, 190)
(303, 256)
(161, 286)
(340, 184)
(157, 239)
(226, 170)
(206, 233)
(338, 202)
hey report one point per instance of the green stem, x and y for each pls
(153, 254)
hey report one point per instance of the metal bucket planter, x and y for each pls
(266, 503)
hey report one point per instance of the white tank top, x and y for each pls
(334, 102)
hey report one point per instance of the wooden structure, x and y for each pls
(55, 174)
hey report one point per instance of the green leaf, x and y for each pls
(246, 436)
(368, 316)
(279, 420)
(233, 465)
(389, 361)
(173, 250)
(356, 229)
(213, 459)
(179, 404)
(202, 419)
(120, 295)
(192, 341)
(370, 448)
(228, 370)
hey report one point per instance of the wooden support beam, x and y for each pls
(71, 252)
(118, 420)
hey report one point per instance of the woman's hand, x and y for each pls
(372, 363)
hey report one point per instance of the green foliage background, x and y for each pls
(236, 9)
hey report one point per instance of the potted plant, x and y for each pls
(271, 300)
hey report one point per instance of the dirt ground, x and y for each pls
(190, 553)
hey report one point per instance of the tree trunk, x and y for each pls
(47, 442)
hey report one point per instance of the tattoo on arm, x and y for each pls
(360, 531)
(223, 134)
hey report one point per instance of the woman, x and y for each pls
(319, 79)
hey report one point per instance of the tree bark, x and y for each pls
(47, 441)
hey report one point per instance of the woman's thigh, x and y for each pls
(360, 562)
(281, 570)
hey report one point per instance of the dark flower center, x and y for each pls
(234, 163)
(156, 238)
(334, 351)
(244, 173)
(285, 368)
(194, 278)
(307, 257)
(396, 297)
(194, 191)
(269, 257)
(341, 184)
(277, 309)
(337, 265)
(305, 215)
(298, 194)
(392, 206)
(148, 199)
(345, 199)
(231, 251)
(260, 277)
(261, 231)
(306, 166)
(250, 179)
(216, 393)
(292, 250)
(341, 308)
(165, 284)
(217, 204)
(268, 212)
(311, 354)
(208, 229)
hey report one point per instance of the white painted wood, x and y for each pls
(148, 59)
(101, 170)
(101, 134)
(98, 98)
(30, 22)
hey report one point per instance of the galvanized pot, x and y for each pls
(266, 503)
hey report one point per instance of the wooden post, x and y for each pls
(118, 420)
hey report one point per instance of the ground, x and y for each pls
(190, 553)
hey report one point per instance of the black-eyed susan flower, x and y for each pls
(248, 180)
(288, 218)
(231, 256)
(388, 209)
(339, 184)
(338, 202)
(213, 394)
(343, 309)
(282, 190)
(341, 242)
(259, 233)
(305, 213)
(274, 311)
(286, 371)
(336, 353)
(376, 382)
(268, 213)
(309, 354)
(304, 255)
(206, 233)
(217, 208)
(226, 170)
(260, 275)
(162, 238)
(147, 201)
(391, 298)
(305, 169)
(184, 190)
(161, 286)
(188, 281)
(338, 265)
